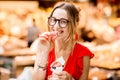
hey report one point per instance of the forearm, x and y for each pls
(38, 75)
(42, 51)
(41, 60)
(42, 47)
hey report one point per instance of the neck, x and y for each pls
(62, 45)
(63, 49)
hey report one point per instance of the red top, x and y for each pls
(74, 63)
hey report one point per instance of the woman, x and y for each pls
(65, 58)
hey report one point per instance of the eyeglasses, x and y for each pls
(62, 22)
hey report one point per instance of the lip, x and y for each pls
(59, 32)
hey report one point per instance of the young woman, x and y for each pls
(65, 58)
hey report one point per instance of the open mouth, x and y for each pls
(59, 32)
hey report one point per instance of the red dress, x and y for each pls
(74, 63)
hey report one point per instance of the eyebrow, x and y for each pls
(59, 18)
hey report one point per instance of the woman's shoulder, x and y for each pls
(80, 45)
(83, 50)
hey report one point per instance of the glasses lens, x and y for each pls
(63, 22)
(51, 21)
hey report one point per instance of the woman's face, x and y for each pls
(60, 23)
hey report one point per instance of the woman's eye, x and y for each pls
(63, 21)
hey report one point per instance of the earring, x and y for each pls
(76, 36)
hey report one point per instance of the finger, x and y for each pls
(54, 35)
(45, 35)
(64, 75)
(48, 35)
(60, 75)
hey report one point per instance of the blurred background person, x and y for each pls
(33, 32)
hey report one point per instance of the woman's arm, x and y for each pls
(86, 66)
(39, 72)
(42, 48)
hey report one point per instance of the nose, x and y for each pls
(56, 26)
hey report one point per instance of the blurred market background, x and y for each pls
(99, 30)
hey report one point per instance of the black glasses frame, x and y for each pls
(58, 21)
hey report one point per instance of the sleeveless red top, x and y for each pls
(74, 63)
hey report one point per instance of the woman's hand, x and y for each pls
(48, 35)
(43, 41)
(61, 76)
(64, 76)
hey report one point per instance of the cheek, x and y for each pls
(66, 31)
